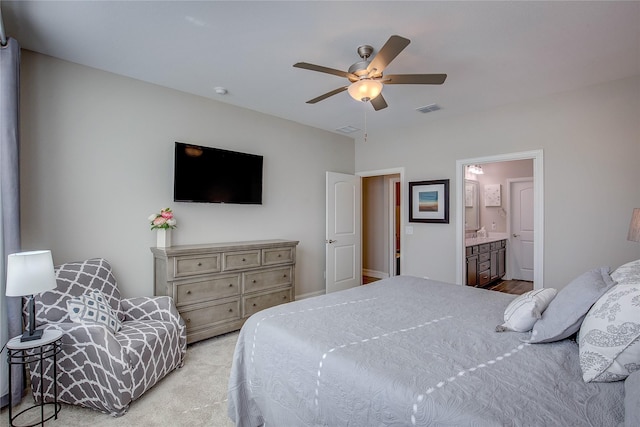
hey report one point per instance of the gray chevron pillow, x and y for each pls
(93, 308)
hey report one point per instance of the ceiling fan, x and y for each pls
(366, 76)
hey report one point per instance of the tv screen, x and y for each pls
(213, 175)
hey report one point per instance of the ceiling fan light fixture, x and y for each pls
(365, 90)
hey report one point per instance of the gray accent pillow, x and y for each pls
(566, 312)
(632, 400)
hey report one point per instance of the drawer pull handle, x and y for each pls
(188, 292)
(254, 304)
(231, 285)
(199, 264)
(243, 260)
(231, 310)
(279, 255)
(284, 275)
(254, 280)
(284, 297)
(188, 320)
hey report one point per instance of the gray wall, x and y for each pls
(591, 143)
(97, 160)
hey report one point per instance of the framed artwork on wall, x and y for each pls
(429, 201)
(492, 195)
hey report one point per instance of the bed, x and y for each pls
(408, 351)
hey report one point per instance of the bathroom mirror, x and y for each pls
(471, 206)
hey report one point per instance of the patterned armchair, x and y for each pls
(97, 368)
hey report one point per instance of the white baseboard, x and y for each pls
(374, 273)
(309, 295)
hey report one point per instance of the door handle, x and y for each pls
(330, 241)
(516, 235)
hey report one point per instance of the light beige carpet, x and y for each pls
(194, 395)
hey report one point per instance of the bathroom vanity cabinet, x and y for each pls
(486, 261)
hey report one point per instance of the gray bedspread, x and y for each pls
(407, 351)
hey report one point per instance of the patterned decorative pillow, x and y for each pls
(523, 312)
(568, 309)
(610, 336)
(93, 308)
(627, 274)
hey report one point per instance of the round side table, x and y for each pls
(22, 353)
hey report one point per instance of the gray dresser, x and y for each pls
(217, 286)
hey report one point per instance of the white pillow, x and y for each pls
(524, 311)
(93, 308)
(627, 274)
(610, 336)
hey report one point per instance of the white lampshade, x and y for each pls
(30, 273)
(634, 227)
(365, 89)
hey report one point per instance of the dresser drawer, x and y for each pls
(264, 279)
(254, 304)
(211, 314)
(484, 266)
(486, 247)
(240, 260)
(206, 289)
(277, 256)
(484, 257)
(194, 265)
(484, 277)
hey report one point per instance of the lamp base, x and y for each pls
(36, 335)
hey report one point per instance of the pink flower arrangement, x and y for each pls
(164, 219)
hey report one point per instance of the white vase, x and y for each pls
(164, 238)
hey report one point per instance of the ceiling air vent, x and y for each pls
(347, 129)
(428, 108)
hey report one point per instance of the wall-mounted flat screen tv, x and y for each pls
(212, 175)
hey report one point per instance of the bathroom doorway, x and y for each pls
(494, 184)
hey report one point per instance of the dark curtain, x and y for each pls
(10, 307)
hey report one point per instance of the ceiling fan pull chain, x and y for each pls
(365, 121)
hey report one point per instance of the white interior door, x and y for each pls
(521, 239)
(343, 232)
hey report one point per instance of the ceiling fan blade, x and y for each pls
(378, 102)
(414, 79)
(320, 68)
(327, 95)
(387, 53)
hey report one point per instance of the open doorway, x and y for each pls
(382, 214)
(495, 218)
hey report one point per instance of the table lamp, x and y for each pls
(30, 273)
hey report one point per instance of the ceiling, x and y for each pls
(494, 53)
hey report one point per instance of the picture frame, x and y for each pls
(429, 201)
(492, 195)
